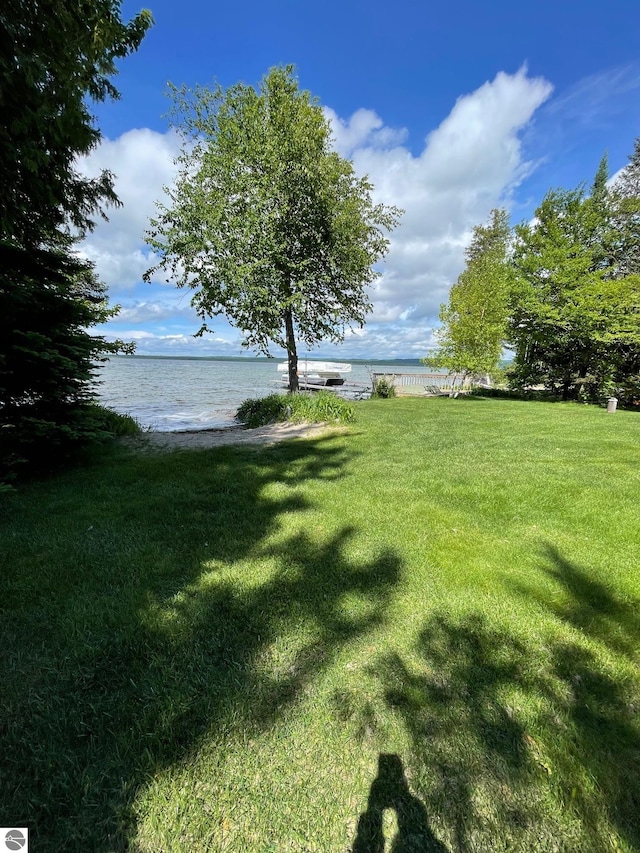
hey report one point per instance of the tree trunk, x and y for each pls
(292, 353)
(565, 390)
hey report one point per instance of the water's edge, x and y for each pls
(171, 394)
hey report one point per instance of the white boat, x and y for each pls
(317, 373)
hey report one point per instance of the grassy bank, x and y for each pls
(427, 625)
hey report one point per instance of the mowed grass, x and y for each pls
(426, 626)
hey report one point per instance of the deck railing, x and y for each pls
(424, 383)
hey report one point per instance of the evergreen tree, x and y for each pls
(54, 56)
(627, 214)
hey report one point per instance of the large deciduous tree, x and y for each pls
(54, 57)
(474, 321)
(575, 319)
(266, 223)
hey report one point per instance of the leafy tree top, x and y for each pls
(475, 318)
(266, 223)
(574, 317)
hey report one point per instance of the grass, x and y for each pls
(427, 625)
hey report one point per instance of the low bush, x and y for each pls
(383, 388)
(321, 406)
(112, 424)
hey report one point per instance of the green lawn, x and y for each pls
(426, 624)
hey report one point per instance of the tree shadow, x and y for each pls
(465, 742)
(155, 643)
(600, 698)
(535, 746)
(389, 790)
(588, 605)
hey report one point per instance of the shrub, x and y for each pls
(383, 388)
(112, 424)
(321, 406)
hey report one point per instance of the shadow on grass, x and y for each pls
(389, 790)
(522, 746)
(589, 606)
(156, 632)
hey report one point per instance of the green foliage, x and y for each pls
(48, 299)
(316, 407)
(475, 319)
(263, 410)
(383, 388)
(626, 216)
(321, 407)
(565, 296)
(575, 323)
(54, 56)
(266, 223)
(113, 424)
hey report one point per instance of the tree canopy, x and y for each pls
(563, 291)
(575, 319)
(626, 214)
(266, 223)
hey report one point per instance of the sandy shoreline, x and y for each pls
(203, 439)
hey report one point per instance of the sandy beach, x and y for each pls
(203, 439)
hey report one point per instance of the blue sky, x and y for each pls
(451, 109)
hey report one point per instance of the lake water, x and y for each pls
(168, 394)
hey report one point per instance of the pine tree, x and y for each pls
(54, 56)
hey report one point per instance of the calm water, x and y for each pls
(175, 394)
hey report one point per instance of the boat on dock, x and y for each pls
(317, 374)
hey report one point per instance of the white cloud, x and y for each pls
(142, 162)
(135, 335)
(153, 311)
(470, 164)
(152, 343)
(364, 127)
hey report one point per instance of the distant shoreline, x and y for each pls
(408, 362)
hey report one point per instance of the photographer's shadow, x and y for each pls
(389, 790)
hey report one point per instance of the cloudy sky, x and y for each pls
(451, 109)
